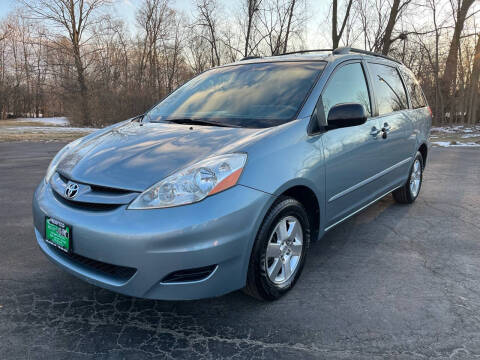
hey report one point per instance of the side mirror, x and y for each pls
(346, 115)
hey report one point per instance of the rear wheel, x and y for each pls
(279, 252)
(408, 193)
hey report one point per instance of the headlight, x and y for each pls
(193, 183)
(56, 160)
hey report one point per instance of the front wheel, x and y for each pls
(279, 252)
(408, 193)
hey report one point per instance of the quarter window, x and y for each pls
(347, 85)
(414, 90)
(389, 90)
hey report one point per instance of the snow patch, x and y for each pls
(466, 136)
(457, 144)
(43, 129)
(441, 143)
(454, 129)
(57, 121)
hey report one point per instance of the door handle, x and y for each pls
(385, 130)
(374, 132)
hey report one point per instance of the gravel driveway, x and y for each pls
(392, 282)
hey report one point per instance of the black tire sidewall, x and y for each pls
(283, 208)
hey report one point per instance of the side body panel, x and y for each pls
(349, 162)
(352, 166)
(421, 125)
(420, 119)
(351, 158)
(290, 158)
(396, 145)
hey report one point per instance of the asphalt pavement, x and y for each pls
(394, 281)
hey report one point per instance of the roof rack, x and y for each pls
(305, 51)
(250, 57)
(338, 51)
(347, 49)
(288, 53)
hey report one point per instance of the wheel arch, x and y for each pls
(307, 197)
(423, 149)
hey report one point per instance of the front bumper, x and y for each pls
(216, 231)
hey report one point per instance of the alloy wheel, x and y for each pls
(284, 250)
(415, 178)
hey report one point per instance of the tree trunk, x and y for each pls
(80, 73)
(337, 35)
(252, 9)
(83, 87)
(75, 38)
(448, 80)
(335, 38)
(292, 7)
(472, 104)
(392, 19)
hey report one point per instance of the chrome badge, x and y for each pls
(71, 190)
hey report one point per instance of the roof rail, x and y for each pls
(288, 53)
(341, 50)
(338, 51)
(304, 51)
(250, 57)
(346, 50)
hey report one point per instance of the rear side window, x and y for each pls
(414, 90)
(347, 85)
(389, 90)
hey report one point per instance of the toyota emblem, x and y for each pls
(71, 190)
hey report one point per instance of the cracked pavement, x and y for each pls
(394, 281)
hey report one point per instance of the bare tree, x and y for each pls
(475, 78)
(291, 9)
(208, 20)
(253, 6)
(337, 34)
(397, 7)
(87, 64)
(155, 19)
(196, 52)
(75, 18)
(378, 19)
(278, 21)
(450, 70)
(438, 94)
(172, 51)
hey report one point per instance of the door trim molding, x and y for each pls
(369, 180)
(362, 208)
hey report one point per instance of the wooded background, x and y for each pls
(74, 58)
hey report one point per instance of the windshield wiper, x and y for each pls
(188, 121)
(138, 118)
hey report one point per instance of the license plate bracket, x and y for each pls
(58, 234)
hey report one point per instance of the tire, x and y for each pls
(408, 193)
(279, 251)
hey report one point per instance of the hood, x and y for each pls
(134, 156)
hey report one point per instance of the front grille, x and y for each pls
(98, 188)
(90, 196)
(85, 205)
(187, 275)
(109, 190)
(122, 273)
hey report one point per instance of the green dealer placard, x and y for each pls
(57, 234)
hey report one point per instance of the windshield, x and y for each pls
(248, 95)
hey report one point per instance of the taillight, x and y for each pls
(430, 111)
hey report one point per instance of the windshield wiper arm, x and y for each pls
(188, 121)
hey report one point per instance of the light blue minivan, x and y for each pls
(223, 184)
